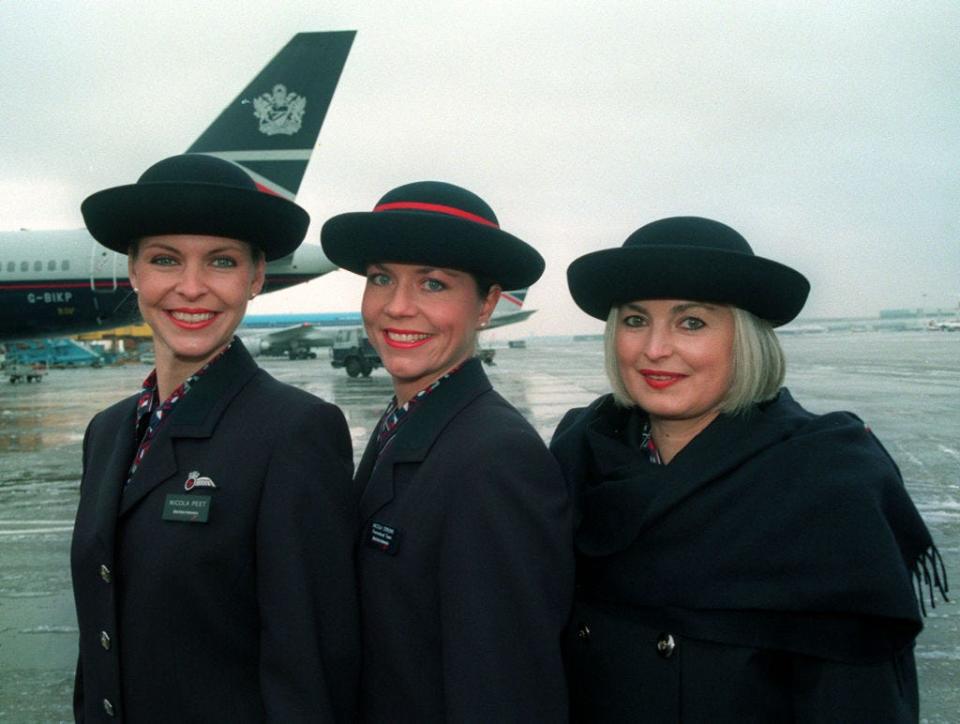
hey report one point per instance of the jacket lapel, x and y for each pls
(158, 464)
(379, 488)
(368, 460)
(195, 416)
(364, 471)
(417, 434)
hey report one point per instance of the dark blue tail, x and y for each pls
(271, 128)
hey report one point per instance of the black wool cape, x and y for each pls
(778, 530)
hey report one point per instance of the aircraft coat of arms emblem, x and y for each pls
(280, 111)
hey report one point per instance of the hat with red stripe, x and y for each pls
(432, 223)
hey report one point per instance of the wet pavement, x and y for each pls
(906, 386)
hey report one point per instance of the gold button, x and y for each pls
(105, 573)
(105, 640)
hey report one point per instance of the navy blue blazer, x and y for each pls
(251, 615)
(465, 564)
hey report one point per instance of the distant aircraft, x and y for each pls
(944, 325)
(55, 283)
(295, 335)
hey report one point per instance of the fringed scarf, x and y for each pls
(779, 529)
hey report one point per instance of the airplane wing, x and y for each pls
(295, 342)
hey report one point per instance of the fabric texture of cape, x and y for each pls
(777, 531)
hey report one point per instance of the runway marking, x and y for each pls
(949, 451)
(21, 521)
(34, 531)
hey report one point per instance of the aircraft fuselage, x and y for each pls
(54, 283)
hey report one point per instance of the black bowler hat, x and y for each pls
(687, 257)
(433, 223)
(195, 194)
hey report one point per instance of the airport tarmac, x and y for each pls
(906, 386)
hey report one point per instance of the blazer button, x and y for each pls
(583, 632)
(108, 708)
(105, 573)
(666, 645)
(105, 640)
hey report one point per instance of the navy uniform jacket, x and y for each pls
(247, 617)
(465, 565)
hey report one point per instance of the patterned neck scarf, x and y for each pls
(647, 443)
(394, 415)
(150, 414)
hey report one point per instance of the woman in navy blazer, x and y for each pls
(465, 554)
(212, 555)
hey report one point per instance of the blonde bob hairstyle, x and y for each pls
(758, 362)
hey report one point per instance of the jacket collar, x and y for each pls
(413, 441)
(195, 416)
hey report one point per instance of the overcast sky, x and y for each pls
(827, 133)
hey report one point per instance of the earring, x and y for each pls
(252, 295)
(136, 290)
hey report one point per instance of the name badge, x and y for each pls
(187, 508)
(382, 537)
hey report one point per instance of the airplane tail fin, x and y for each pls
(509, 309)
(271, 128)
(510, 302)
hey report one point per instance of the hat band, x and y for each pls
(437, 208)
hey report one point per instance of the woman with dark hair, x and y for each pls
(465, 557)
(212, 554)
(738, 557)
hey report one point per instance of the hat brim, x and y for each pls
(770, 290)
(118, 216)
(354, 240)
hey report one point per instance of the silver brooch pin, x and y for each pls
(195, 480)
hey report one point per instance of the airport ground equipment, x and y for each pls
(60, 352)
(24, 372)
(352, 350)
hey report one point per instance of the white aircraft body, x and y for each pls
(944, 325)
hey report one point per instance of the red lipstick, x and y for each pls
(192, 319)
(405, 338)
(661, 379)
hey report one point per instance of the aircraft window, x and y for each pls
(51, 265)
(24, 266)
(38, 265)
(11, 266)
(65, 265)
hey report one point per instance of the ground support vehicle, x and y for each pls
(19, 372)
(352, 350)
